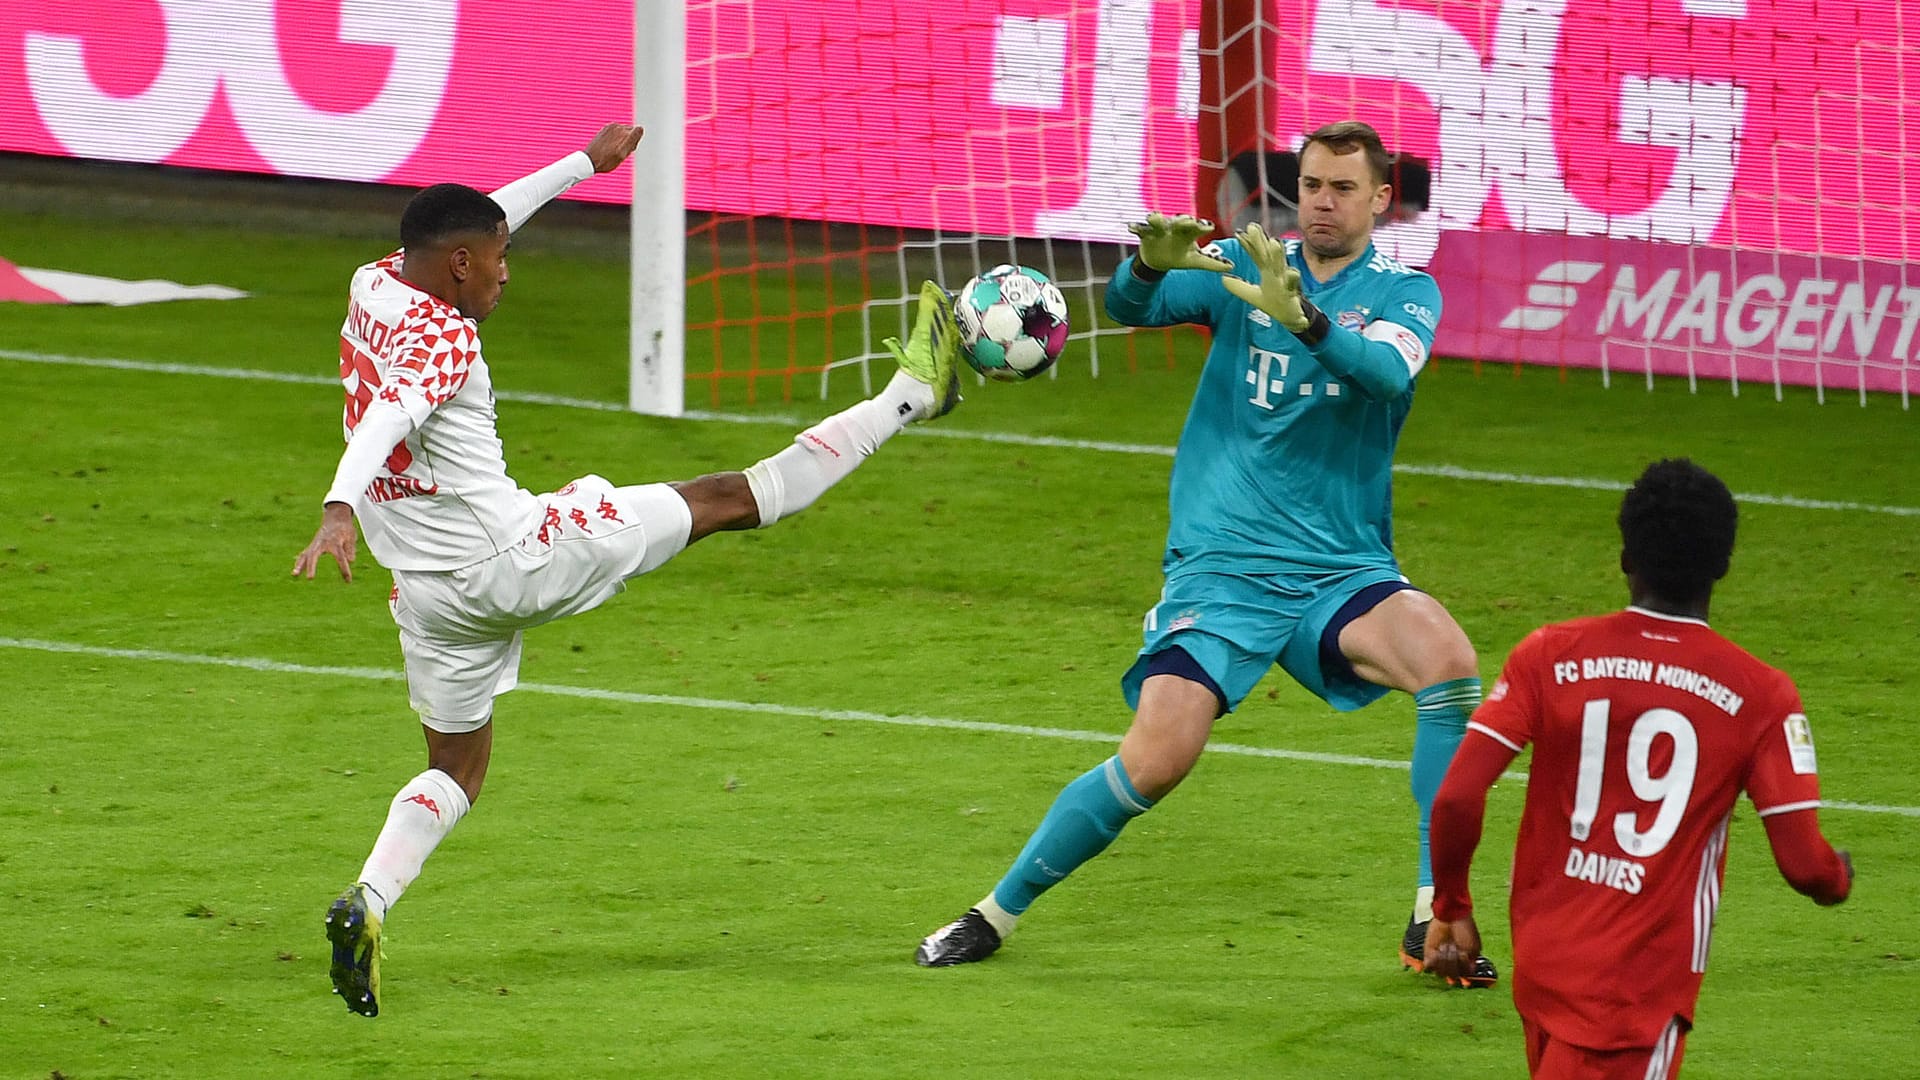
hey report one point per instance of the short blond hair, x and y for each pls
(1347, 136)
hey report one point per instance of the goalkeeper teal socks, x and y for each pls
(1439, 724)
(1086, 817)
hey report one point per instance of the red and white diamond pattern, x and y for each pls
(444, 499)
(434, 351)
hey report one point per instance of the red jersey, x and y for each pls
(1645, 730)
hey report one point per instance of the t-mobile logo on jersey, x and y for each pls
(1267, 374)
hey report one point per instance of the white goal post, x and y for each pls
(657, 346)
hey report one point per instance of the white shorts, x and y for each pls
(460, 629)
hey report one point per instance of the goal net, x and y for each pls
(1714, 189)
(839, 153)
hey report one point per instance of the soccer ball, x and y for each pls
(1013, 322)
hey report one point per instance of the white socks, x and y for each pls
(908, 397)
(824, 454)
(1423, 904)
(998, 917)
(422, 814)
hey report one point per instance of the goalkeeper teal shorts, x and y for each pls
(1237, 626)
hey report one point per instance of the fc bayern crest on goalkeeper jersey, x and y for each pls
(442, 499)
(1281, 462)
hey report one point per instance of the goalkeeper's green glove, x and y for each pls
(1172, 243)
(1278, 291)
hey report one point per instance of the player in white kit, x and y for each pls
(475, 558)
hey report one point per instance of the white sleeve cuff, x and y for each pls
(521, 198)
(381, 428)
(1788, 808)
(1483, 729)
(1403, 340)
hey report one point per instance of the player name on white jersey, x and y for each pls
(388, 488)
(374, 335)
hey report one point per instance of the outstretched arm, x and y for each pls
(1158, 285)
(523, 197)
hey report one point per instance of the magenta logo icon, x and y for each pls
(1553, 293)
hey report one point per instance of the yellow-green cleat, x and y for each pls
(932, 352)
(354, 932)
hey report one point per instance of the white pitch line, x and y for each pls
(1447, 472)
(1455, 472)
(680, 701)
(257, 375)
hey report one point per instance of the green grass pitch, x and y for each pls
(693, 888)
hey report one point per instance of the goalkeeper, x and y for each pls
(1280, 546)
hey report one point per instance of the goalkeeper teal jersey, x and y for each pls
(1286, 459)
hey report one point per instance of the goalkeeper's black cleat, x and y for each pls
(966, 940)
(1413, 950)
(354, 933)
(1413, 946)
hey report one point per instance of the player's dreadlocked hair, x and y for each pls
(444, 211)
(1676, 525)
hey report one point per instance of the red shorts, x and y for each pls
(1549, 1058)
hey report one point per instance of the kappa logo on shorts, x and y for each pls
(610, 512)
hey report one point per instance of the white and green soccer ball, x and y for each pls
(1013, 322)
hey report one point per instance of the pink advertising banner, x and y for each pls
(1628, 133)
(1675, 309)
(412, 92)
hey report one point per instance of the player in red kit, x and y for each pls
(1646, 726)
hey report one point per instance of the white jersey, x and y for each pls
(442, 499)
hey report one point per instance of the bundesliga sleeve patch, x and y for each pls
(1800, 744)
